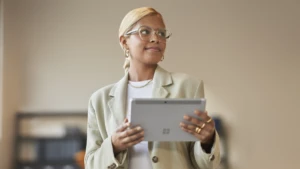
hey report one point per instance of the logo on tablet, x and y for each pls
(166, 131)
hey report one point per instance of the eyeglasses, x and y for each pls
(146, 33)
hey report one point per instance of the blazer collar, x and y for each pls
(118, 93)
(161, 79)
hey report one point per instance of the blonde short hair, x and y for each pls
(128, 22)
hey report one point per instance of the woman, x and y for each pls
(111, 141)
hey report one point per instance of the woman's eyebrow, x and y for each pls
(161, 28)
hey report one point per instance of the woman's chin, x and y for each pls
(156, 57)
(152, 59)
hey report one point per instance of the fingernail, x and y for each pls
(186, 117)
(138, 128)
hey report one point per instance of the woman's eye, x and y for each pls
(145, 32)
(162, 34)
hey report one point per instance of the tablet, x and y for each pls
(160, 118)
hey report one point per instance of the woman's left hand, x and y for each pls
(203, 129)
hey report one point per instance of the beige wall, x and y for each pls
(57, 53)
(1, 79)
(1, 64)
(11, 84)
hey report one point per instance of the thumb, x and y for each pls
(123, 127)
(126, 122)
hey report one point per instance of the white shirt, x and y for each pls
(139, 154)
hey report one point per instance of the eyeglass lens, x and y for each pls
(146, 33)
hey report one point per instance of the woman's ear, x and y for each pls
(123, 42)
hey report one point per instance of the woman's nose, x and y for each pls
(154, 38)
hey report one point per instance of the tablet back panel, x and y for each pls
(160, 118)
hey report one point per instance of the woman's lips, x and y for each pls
(153, 49)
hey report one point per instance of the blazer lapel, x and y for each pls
(117, 103)
(161, 80)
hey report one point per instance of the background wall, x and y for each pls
(11, 84)
(56, 53)
(1, 64)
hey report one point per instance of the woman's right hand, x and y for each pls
(126, 137)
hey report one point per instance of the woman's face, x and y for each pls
(145, 46)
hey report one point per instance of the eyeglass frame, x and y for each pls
(153, 30)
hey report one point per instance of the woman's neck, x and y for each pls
(141, 73)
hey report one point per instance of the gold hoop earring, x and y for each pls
(162, 58)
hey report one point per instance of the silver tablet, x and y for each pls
(160, 118)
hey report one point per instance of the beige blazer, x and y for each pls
(107, 110)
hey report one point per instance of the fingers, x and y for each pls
(200, 123)
(131, 135)
(130, 132)
(202, 115)
(192, 128)
(126, 137)
(188, 130)
(203, 128)
(134, 142)
(203, 134)
(133, 139)
(192, 120)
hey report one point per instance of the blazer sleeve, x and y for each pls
(200, 159)
(99, 151)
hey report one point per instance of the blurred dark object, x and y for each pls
(223, 142)
(72, 131)
(48, 152)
